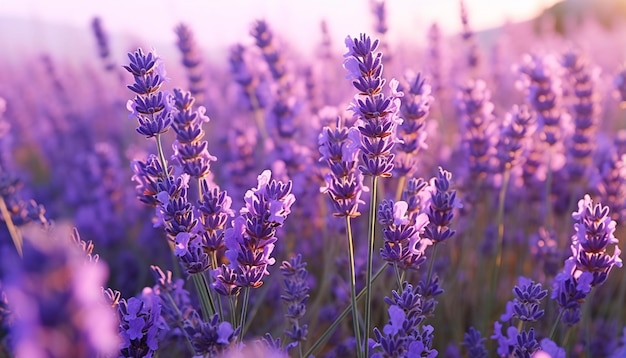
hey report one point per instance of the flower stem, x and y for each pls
(355, 311)
(244, 309)
(370, 257)
(15, 234)
(343, 315)
(500, 240)
(556, 324)
(208, 309)
(161, 155)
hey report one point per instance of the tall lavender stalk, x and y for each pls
(377, 118)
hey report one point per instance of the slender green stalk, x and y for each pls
(355, 311)
(370, 258)
(233, 310)
(549, 219)
(208, 309)
(500, 221)
(556, 324)
(432, 264)
(396, 270)
(217, 296)
(15, 234)
(343, 315)
(244, 311)
(161, 155)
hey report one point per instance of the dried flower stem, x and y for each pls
(16, 236)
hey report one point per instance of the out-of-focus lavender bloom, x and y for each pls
(264, 39)
(150, 106)
(434, 57)
(544, 91)
(467, 35)
(526, 304)
(250, 241)
(515, 133)
(173, 297)
(377, 115)
(338, 147)
(212, 337)
(403, 245)
(590, 263)
(295, 296)
(474, 343)
(475, 111)
(611, 183)
(415, 108)
(549, 349)
(192, 60)
(103, 44)
(190, 151)
(54, 293)
(581, 144)
(440, 212)
(404, 335)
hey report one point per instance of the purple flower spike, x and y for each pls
(377, 114)
(150, 106)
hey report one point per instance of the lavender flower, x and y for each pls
(191, 59)
(250, 241)
(515, 344)
(515, 134)
(441, 210)
(211, 337)
(544, 95)
(526, 304)
(415, 108)
(474, 343)
(296, 296)
(103, 44)
(403, 335)
(344, 184)
(403, 245)
(620, 85)
(590, 263)
(140, 325)
(150, 106)
(190, 151)
(377, 115)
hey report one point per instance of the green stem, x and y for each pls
(500, 241)
(208, 309)
(400, 187)
(161, 155)
(244, 309)
(233, 311)
(396, 270)
(15, 234)
(549, 219)
(343, 315)
(370, 258)
(432, 264)
(217, 296)
(355, 311)
(556, 324)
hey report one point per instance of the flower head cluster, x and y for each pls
(209, 338)
(250, 241)
(415, 108)
(475, 111)
(620, 84)
(140, 325)
(150, 106)
(474, 343)
(544, 95)
(515, 133)
(53, 292)
(103, 43)
(295, 296)
(515, 343)
(377, 114)
(190, 151)
(526, 304)
(344, 184)
(403, 244)
(584, 110)
(192, 60)
(443, 201)
(403, 336)
(590, 263)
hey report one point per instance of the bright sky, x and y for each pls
(220, 23)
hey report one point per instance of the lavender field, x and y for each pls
(441, 196)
